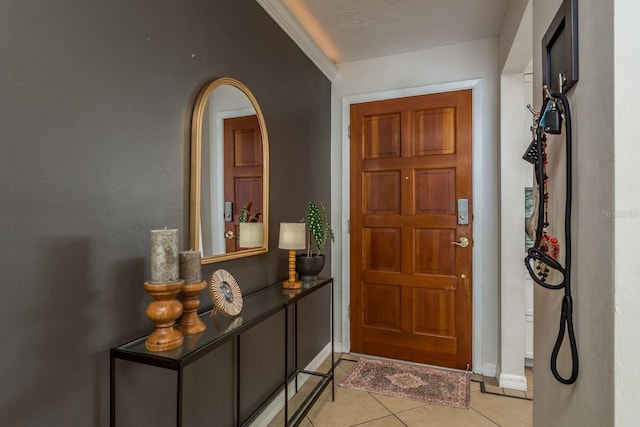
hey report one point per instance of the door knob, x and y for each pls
(230, 235)
(463, 242)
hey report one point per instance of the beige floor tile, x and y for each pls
(528, 372)
(443, 416)
(490, 381)
(305, 423)
(475, 386)
(476, 377)
(505, 411)
(529, 394)
(396, 405)
(489, 388)
(350, 407)
(390, 421)
(514, 393)
(340, 373)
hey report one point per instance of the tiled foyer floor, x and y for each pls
(362, 409)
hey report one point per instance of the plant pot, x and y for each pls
(308, 267)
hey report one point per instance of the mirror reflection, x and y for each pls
(229, 173)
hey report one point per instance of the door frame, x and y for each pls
(477, 141)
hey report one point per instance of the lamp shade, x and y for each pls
(251, 235)
(293, 235)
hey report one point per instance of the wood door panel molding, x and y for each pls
(381, 192)
(426, 162)
(434, 253)
(435, 190)
(441, 321)
(410, 221)
(384, 249)
(381, 303)
(247, 148)
(434, 131)
(382, 136)
(431, 281)
(411, 103)
(410, 288)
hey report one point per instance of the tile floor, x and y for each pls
(494, 407)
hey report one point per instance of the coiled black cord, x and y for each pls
(537, 254)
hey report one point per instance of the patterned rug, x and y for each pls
(428, 385)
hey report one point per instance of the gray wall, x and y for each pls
(95, 116)
(590, 401)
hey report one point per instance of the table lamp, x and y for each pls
(293, 236)
(251, 235)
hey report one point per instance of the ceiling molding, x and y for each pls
(285, 19)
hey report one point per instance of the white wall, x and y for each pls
(588, 402)
(627, 211)
(512, 183)
(514, 139)
(471, 64)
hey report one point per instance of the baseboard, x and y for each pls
(513, 382)
(272, 410)
(489, 370)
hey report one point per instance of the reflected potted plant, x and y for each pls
(319, 232)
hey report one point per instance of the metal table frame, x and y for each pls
(274, 302)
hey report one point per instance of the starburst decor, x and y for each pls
(225, 293)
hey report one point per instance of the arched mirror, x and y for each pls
(229, 173)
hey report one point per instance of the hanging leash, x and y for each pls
(543, 256)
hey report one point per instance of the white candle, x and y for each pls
(190, 269)
(164, 256)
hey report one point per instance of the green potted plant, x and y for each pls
(319, 232)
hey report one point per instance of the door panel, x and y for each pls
(410, 287)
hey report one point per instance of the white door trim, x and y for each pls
(476, 86)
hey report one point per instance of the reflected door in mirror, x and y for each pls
(243, 170)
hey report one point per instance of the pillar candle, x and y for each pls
(190, 269)
(164, 256)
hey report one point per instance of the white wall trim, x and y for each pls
(272, 410)
(476, 86)
(285, 19)
(489, 370)
(513, 382)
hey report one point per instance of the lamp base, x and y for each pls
(295, 284)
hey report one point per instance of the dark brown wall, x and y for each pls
(95, 107)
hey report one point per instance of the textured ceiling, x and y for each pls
(349, 30)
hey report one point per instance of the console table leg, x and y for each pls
(179, 400)
(286, 362)
(333, 382)
(112, 392)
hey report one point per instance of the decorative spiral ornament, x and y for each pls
(225, 293)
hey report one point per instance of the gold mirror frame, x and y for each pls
(196, 171)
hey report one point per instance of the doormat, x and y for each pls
(428, 385)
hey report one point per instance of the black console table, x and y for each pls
(257, 307)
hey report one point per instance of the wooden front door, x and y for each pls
(242, 171)
(410, 285)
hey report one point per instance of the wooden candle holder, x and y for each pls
(190, 323)
(163, 311)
